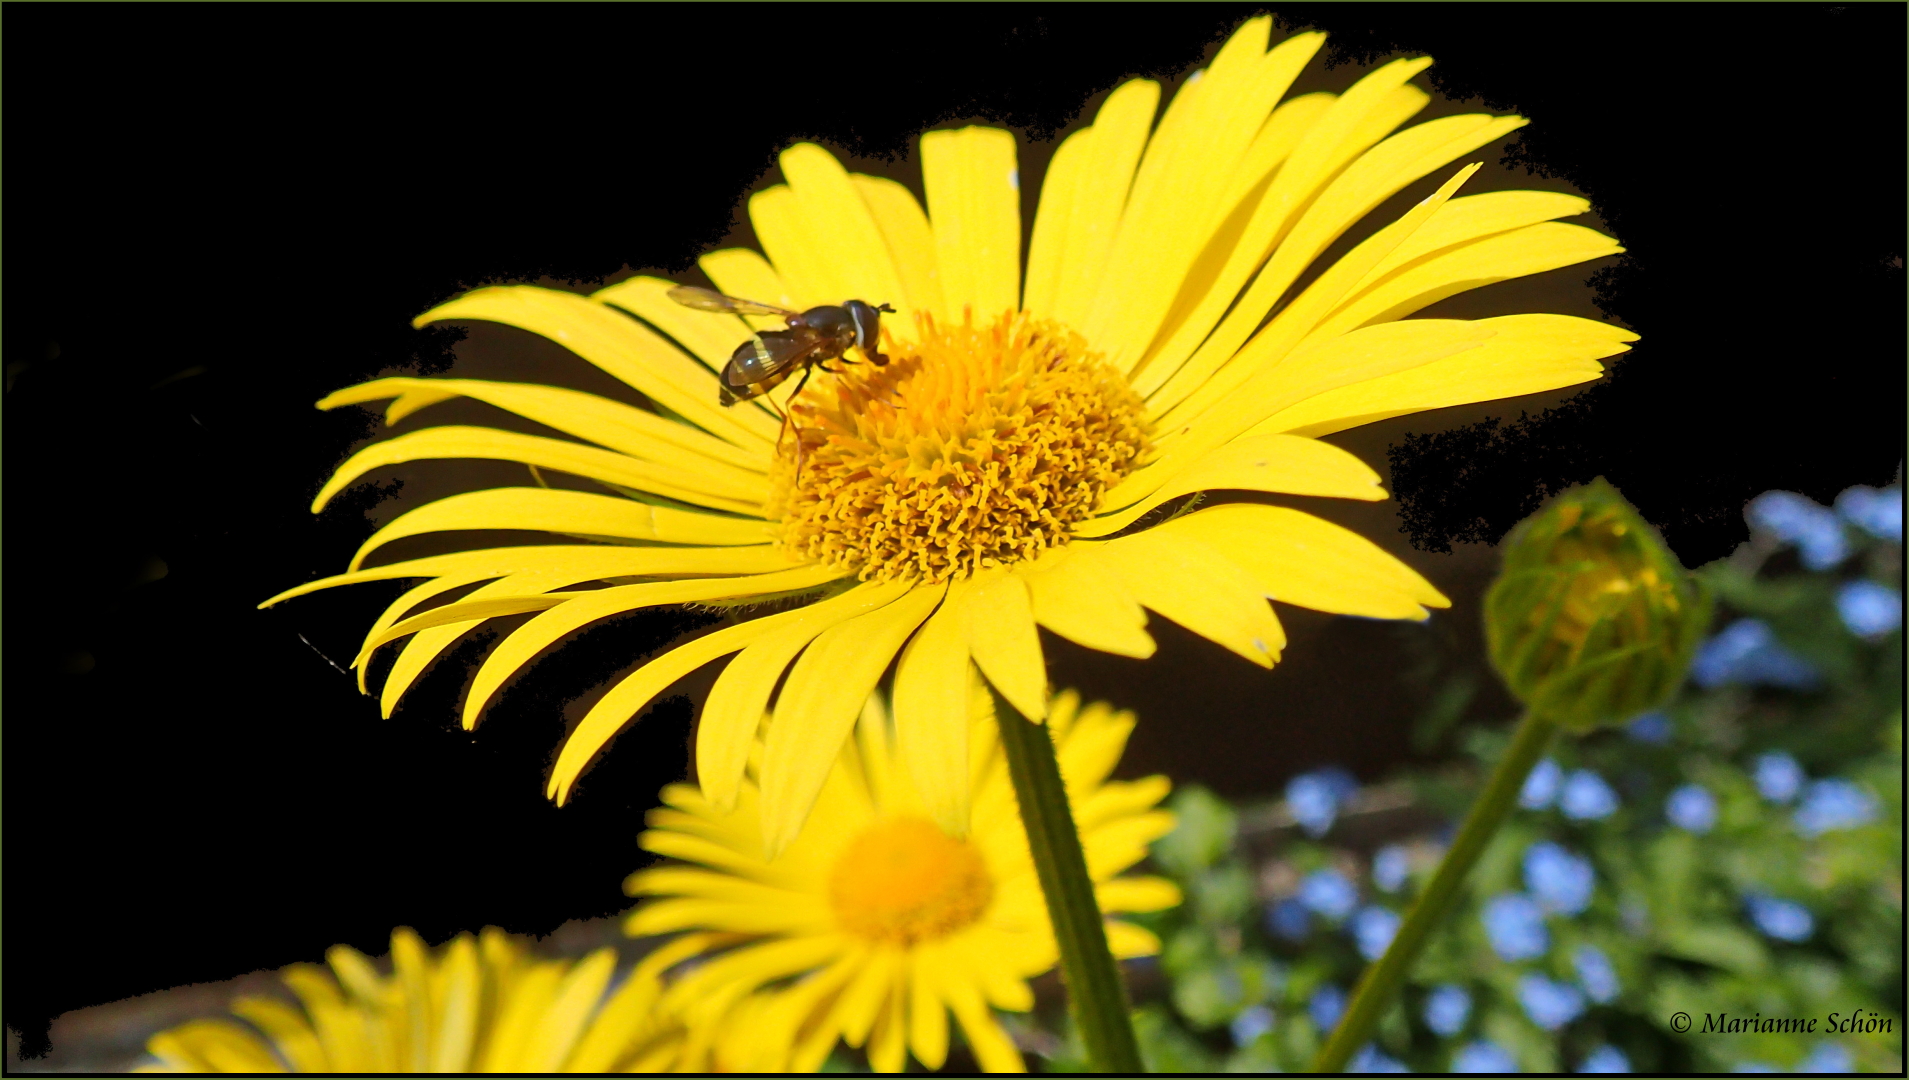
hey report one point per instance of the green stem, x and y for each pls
(1095, 993)
(1382, 979)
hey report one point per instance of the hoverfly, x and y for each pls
(813, 338)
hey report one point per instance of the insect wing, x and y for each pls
(769, 354)
(709, 300)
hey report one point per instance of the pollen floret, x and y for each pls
(975, 447)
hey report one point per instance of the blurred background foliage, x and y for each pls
(1737, 853)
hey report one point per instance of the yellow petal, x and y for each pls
(1093, 203)
(585, 565)
(931, 717)
(560, 454)
(616, 1028)
(927, 1015)
(1363, 354)
(576, 997)
(819, 704)
(736, 703)
(1292, 465)
(1521, 252)
(1119, 799)
(1072, 594)
(611, 424)
(572, 513)
(1125, 940)
(1137, 894)
(1047, 247)
(619, 345)
(991, 1045)
(516, 1024)
(1528, 355)
(841, 232)
(634, 693)
(288, 1030)
(1178, 197)
(910, 241)
(855, 1010)
(465, 611)
(1238, 246)
(744, 273)
(461, 1001)
(974, 202)
(791, 247)
(1346, 128)
(544, 630)
(1200, 589)
(1474, 217)
(1268, 350)
(709, 336)
(1300, 559)
(582, 562)
(888, 1042)
(1003, 640)
(1090, 749)
(213, 1045)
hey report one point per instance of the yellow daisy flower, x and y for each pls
(474, 1005)
(876, 922)
(1001, 471)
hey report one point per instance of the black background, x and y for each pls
(216, 215)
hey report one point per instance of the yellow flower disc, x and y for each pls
(905, 881)
(974, 447)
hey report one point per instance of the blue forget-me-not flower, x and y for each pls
(1288, 919)
(1315, 797)
(1373, 928)
(1329, 893)
(1370, 1059)
(1876, 512)
(1483, 1056)
(1548, 1003)
(1778, 777)
(1326, 1005)
(1595, 973)
(1747, 652)
(1651, 727)
(1605, 1059)
(1692, 808)
(1390, 867)
(1827, 1057)
(1559, 880)
(1586, 797)
(1869, 609)
(1514, 924)
(1541, 786)
(1250, 1024)
(1793, 519)
(1447, 1008)
(1834, 804)
(1784, 920)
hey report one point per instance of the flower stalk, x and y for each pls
(1095, 992)
(1381, 980)
(1591, 621)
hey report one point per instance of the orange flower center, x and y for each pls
(904, 881)
(974, 447)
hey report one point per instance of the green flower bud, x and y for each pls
(1592, 620)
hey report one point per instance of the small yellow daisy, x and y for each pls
(1000, 472)
(474, 1005)
(876, 922)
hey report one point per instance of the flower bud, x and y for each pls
(1592, 620)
